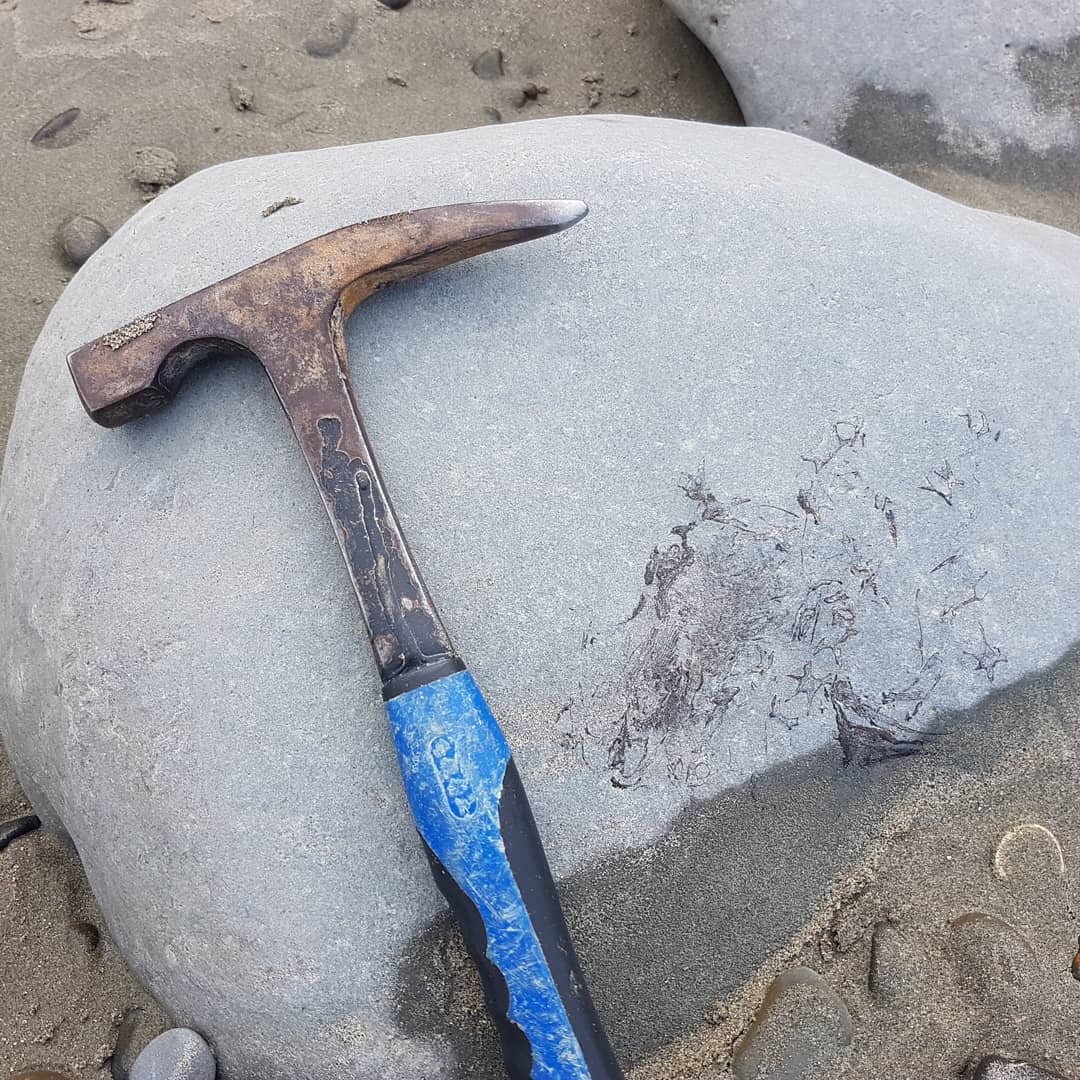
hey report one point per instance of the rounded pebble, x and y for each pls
(332, 36)
(80, 237)
(802, 1024)
(488, 64)
(241, 96)
(176, 1054)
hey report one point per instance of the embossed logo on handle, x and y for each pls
(459, 792)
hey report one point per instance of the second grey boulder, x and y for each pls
(976, 98)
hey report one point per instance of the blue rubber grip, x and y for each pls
(471, 812)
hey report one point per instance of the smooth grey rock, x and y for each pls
(984, 87)
(488, 64)
(80, 237)
(729, 493)
(176, 1054)
(801, 1029)
(333, 33)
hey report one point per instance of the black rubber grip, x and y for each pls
(525, 854)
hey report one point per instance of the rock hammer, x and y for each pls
(467, 798)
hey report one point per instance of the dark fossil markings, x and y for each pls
(771, 615)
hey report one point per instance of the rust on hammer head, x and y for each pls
(269, 308)
(290, 313)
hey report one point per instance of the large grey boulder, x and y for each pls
(981, 89)
(729, 495)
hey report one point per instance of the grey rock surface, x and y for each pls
(176, 1054)
(735, 496)
(984, 88)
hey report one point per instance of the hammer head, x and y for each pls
(290, 310)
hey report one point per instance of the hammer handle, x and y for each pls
(485, 853)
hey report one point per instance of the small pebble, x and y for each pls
(241, 96)
(628, 91)
(176, 1054)
(394, 5)
(632, 29)
(489, 64)
(532, 91)
(493, 114)
(80, 237)
(20, 826)
(332, 36)
(397, 80)
(57, 132)
(83, 21)
(154, 170)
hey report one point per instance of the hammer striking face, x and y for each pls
(466, 796)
